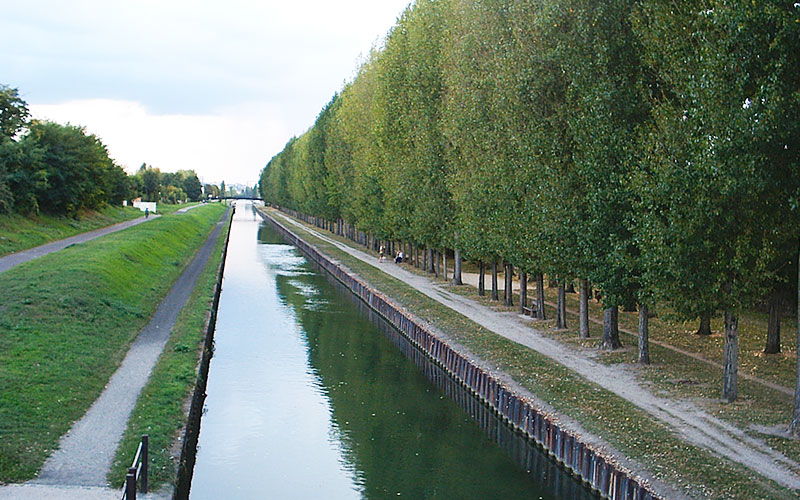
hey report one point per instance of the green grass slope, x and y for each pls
(66, 321)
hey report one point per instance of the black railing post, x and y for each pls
(130, 484)
(145, 462)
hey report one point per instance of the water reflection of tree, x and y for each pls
(398, 432)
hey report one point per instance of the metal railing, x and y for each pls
(137, 471)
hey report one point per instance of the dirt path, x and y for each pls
(472, 279)
(694, 424)
(15, 259)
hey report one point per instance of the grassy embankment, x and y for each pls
(697, 472)
(67, 320)
(20, 233)
(159, 412)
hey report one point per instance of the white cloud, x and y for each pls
(232, 145)
(215, 86)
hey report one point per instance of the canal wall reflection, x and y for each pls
(601, 473)
(400, 434)
(524, 453)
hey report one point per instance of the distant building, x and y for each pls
(145, 205)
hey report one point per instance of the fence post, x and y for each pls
(145, 461)
(130, 484)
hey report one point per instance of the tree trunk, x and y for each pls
(425, 260)
(523, 291)
(444, 262)
(584, 309)
(494, 281)
(457, 268)
(540, 314)
(705, 324)
(794, 426)
(431, 258)
(570, 287)
(610, 329)
(730, 382)
(644, 333)
(435, 263)
(774, 326)
(561, 310)
(481, 278)
(509, 285)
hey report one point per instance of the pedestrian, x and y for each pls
(382, 252)
(146, 212)
(399, 257)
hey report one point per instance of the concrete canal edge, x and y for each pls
(191, 430)
(574, 454)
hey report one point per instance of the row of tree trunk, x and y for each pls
(429, 259)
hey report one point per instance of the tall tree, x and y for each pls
(151, 182)
(192, 186)
(721, 130)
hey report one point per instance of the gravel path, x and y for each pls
(85, 453)
(694, 424)
(15, 259)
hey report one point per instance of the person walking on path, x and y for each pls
(382, 252)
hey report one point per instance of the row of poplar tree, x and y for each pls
(63, 170)
(645, 147)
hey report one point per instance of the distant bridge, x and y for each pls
(235, 198)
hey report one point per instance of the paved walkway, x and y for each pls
(186, 209)
(39, 492)
(15, 259)
(691, 422)
(80, 465)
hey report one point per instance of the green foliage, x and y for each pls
(646, 146)
(722, 167)
(75, 165)
(150, 183)
(192, 186)
(13, 113)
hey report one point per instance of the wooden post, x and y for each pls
(130, 484)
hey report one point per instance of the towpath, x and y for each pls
(691, 422)
(79, 467)
(12, 260)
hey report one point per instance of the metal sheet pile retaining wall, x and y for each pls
(599, 472)
(191, 430)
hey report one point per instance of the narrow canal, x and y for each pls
(312, 396)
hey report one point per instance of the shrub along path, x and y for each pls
(12, 260)
(689, 421)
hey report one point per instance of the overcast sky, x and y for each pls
(218, 87)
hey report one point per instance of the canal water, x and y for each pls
(311, 396)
